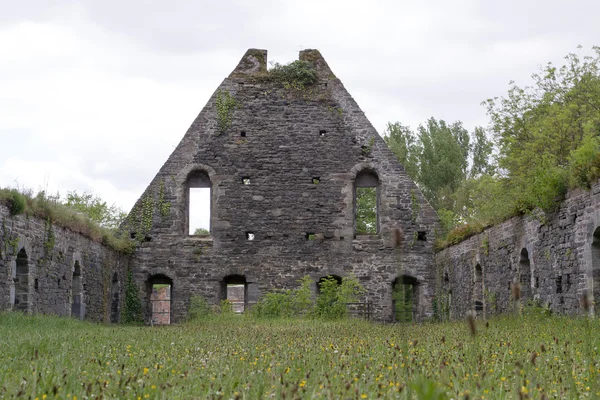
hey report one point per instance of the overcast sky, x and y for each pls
(94, 95)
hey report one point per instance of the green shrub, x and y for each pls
(296, 74)
(199, 308)
(226, 307)
(18, 203)
(333, 297)
(287, 303)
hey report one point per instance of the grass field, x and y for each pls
(241, 358)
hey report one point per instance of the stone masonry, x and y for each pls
(279, 139)
(555, 262)
(48, 269)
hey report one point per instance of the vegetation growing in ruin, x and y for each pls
(85, 214)
(238, 357)
(226, 105)
(541, 140)
(132, 307)
(297, 74)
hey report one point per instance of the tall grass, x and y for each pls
(509, 357)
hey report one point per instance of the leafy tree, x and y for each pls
(96, 209)
(540, 128)
(405, 145)
(366, 210)
(201, 231)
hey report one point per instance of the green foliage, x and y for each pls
(15, 201)
(404, 143)
(366, 210)
(287, 303)
(95, 209)
(333, 297)
(201, 232)
(132, 308)
(403, 302)
(297, 74)
(584, 163)
(225, 104)
(226, 307)
(424, 388)
(199, 309)
(51, 208)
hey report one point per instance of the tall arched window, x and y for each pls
(76, 292)
(22, 286)
(596, 269)
(198, 203)
(525, 274)
(366, 202)
(115, 299)
(478, 289)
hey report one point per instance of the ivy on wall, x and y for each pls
(225, 104)
(132, 309)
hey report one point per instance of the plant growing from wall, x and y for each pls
(163, 206)
(132, 309)
(296, 75)
(333, 297)
(146, 215)
(225, 105)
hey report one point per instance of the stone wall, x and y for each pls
(281, 138)
(48, 269)
(555, 262)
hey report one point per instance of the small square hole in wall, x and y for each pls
(310, 236)
(246, 181)
(316, 180)
(322, 132)
(250, 235)
(422, 235)
(243, 133)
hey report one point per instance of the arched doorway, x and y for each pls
(405, 298)
(160, 288)
(21, 279)
(235, 289)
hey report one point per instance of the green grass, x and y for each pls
(238, 357)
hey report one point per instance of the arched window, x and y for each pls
(596, 269)
(160, 289)
(115, 304)
(478, 290)
(235, 289)
(21, 279)
(405, 298)
(198, 203)
(366, 202)
(525, 275)
(77, 306)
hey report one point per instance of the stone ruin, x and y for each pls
(285, 167)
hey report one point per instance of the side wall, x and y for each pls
(553, 261)
(57, 268)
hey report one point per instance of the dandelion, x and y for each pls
(146, 371)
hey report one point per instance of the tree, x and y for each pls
(201, 231)
(540, 128)
(96, 209)
(405, 145)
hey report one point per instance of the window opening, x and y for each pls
(422, 235)
(114, 305)
(250, 235)
(478, 290)
(243, 133)
(365, 203)
(316, 180)
(525, 274)
(21, 279)
(596, 269)
(246, 180)
(77, 293)
(310, 236)
(199, 203)
(322, 132)
(558, 284)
